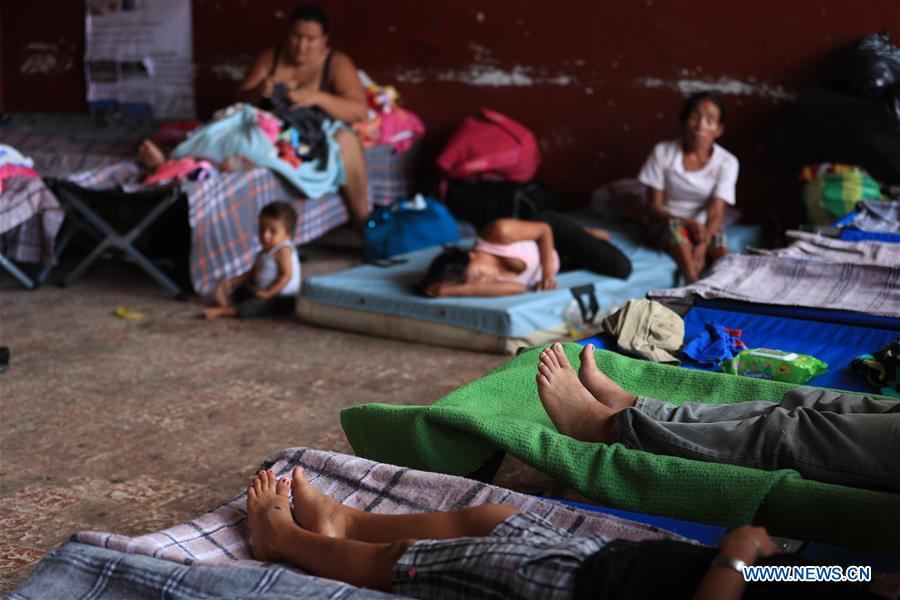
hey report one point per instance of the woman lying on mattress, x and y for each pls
(494, 551)
(315, 90)
(690, 180)
(513, 256)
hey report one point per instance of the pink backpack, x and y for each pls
(492, 146)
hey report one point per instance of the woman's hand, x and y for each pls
(436, 290)
(698, 232)
(301, 98)
(267, 86)
(264, 294)
(547, 282)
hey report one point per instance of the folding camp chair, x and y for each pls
(83, 208)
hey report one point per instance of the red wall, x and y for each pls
(597, 80)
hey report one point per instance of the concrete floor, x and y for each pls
(132, 426)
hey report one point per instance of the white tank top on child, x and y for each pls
(265, 272)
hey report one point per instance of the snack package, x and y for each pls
(774, 364)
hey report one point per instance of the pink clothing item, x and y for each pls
(176, 169)
(400, 128)
(528, 252)
(270, 125)
(10, 170)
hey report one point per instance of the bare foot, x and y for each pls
(150, 156)
(570, 405)
(599, 385)
(314, 511)
(214, 312)
(600, 234)
(269, 511)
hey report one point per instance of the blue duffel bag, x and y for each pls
(406, 225)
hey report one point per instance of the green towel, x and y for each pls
(458, 433)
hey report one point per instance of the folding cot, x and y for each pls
(463, 431)
(221, 210)
(210, 555)
(381, 300)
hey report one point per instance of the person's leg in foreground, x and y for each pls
(826, 436)
(343, 543)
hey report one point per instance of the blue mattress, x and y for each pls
(836, 344)
(858, 235)
(389, 290)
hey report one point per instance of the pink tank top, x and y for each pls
(526, 251)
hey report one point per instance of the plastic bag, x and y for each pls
(779, 365)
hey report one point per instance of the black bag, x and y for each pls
(480, 202)
(829, 126)
(869, 68)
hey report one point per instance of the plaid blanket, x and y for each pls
(788, 281)
(83, 571)
(30, 218)
(64, 144)
(209, 557)
(222, 210)
(220, 537)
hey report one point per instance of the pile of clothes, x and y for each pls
(387, 122)
(14, 164)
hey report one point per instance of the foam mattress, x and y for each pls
(381, 300)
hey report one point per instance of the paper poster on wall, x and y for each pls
(139, 56)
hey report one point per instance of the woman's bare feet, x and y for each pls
(314, 511)
(572, 408)
(150, 156)
(599, 385)
(269, 512)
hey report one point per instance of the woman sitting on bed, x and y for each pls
(304, 73)
(513, 256)
(315, 75)
(690, 181)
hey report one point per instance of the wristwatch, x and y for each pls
(730, 562)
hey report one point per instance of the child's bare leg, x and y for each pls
(683, 255)
(274, 537)
(317, 512)
(572, 408)
(150, 156)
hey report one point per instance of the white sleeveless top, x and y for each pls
(265, 272)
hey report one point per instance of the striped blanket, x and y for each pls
(812, 246)
(790, 281)
(222, 210)
(216, 549)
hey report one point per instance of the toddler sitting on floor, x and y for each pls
(271, 286)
